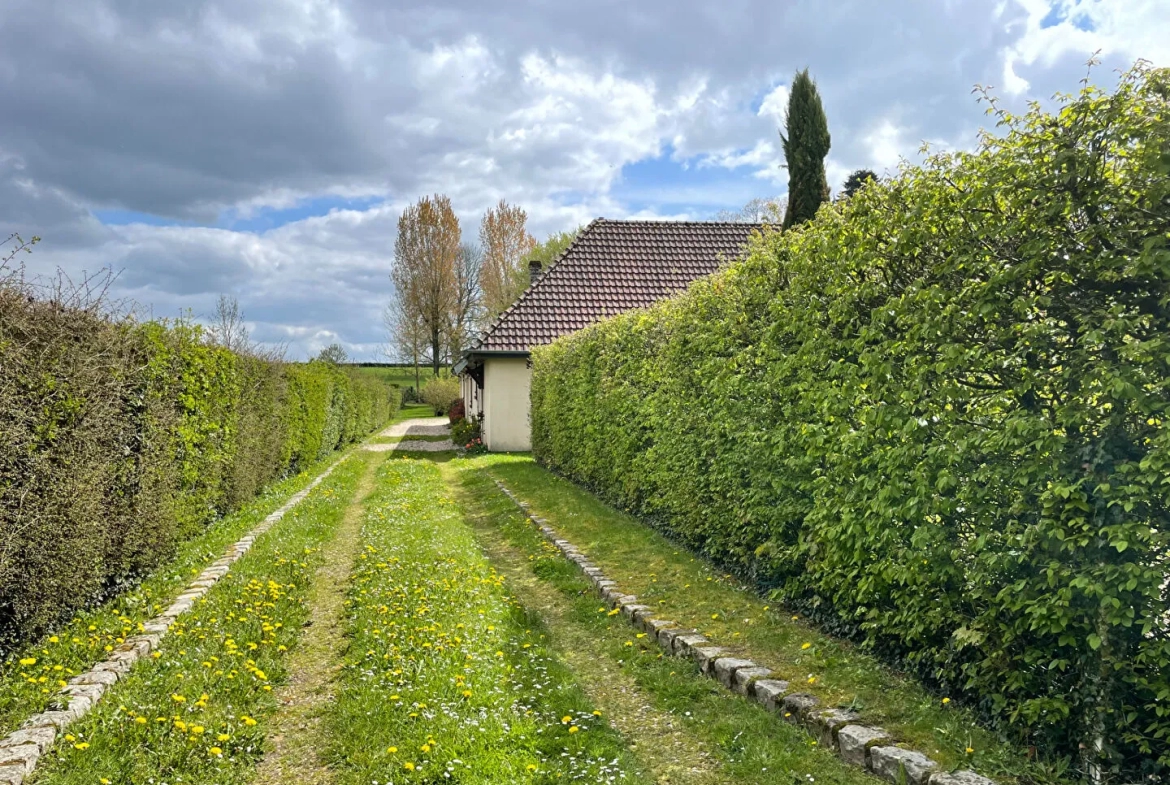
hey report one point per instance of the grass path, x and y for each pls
(667, 750)
(296, 737)
(447, 677)
(682, 726)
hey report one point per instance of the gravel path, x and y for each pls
(420, 426)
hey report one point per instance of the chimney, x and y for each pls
(534, 268)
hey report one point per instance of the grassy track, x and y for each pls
(197, 712)
(28, 688)
(418, 438)
(687, 589)
(626, 670)
(447, 677)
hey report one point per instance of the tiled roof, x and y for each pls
(611, 267)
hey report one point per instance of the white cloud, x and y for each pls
(885, 146)
(775, 104)
(201, 109)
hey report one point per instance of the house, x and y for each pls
(611, 267)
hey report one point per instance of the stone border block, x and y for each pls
(889, 763)
(746, 678)
(684, 643)
(798, 705)
(959, 778)
(726, 667)
(706, 656)
(631, 609)
(825, 724)
(770, 693)
(854, 741)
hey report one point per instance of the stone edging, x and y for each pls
(21, 750)
(869, 747)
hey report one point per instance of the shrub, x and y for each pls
(457, 411)
(440, 393)
(463, 432)
(934, 417)
(119, 439)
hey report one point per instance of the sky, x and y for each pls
(265, 148)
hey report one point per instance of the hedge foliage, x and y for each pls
(119, 439)
(935, 418)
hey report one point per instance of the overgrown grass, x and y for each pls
(196, 712)
(89, 636)
(750, 744)
(689, 590)
(447, 677)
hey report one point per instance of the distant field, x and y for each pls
(403, 377)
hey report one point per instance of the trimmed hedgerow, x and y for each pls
(934, 418)
(118, 440)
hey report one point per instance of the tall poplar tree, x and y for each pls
(426, 258)
(806, 143)
(506, 244)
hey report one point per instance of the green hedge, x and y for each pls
(120, 439)
(934, 418)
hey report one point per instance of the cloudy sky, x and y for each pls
(264, 148)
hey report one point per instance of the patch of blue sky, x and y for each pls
(257, 220)
(666, 186)
(1059, 13)
(263, 219)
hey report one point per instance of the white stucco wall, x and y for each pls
(506, 382)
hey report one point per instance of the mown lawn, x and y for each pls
(447, 676)
(691, 591)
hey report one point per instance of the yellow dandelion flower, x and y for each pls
(392, 750)
(140, 720)
(574, 729)
(408, 766)
(946, 701)
(970, 750)
(566, 719)
(81, 745)
(28, 661)
(216, 751)
(806, 645)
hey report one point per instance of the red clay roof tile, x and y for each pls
(612, 267)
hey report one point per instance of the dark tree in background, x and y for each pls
(806, 143)
(857, 179)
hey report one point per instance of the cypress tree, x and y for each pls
(806, 144)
